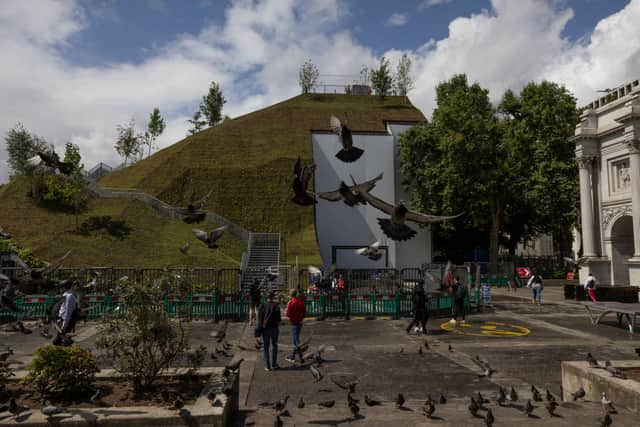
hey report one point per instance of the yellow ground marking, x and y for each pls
(486, 329)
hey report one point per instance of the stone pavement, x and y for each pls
(525, 343)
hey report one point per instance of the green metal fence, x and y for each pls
(221, 306)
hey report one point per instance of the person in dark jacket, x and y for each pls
(420, 313)
(269, 319)
(459, 293)
(255, 294)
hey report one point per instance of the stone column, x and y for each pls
(634, 166)
(586, 206)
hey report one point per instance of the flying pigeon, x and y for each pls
(196, 205)
(50, 159)
(184, 249)
(395, 227)
(211, 237)
(351, 195)
(349, 153)
(300, 184)
(370, 251)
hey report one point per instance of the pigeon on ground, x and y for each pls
(578, 394)
(473, 407)
(355, 409)
(592, 361)
(488, 418)
(607, 405)
(49, 410)
(395, 227)
(450, 348)
(615, 372)
(370, 402)
(370, 251)
(513, 396)
(96, 398)
(551, 407)
(350, 194)
(277, 422)
(351, 399)
(234, 366)
(443, 400)
(349, 152)
(281, 404)
(327, 404)
(316, 373)
(428, 409)
(426, 344)
(211, 237)
(487, 370)
(300, 403)
(535, 394)
(399, 400)
(16, 409)
(184, 249)
(480, 399)
(5, 354)
(300, 184)
(550, 397)
(528, 408)
(420, 351)
(606, 421)
(45, 332)
(501, 397)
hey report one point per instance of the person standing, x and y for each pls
(420, 313)
(459, 292)
(295, 313)
(255, 294)
(590, 286)
(269, 318)
(535, 283)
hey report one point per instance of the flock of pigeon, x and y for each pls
(477, 402)
(359, 193)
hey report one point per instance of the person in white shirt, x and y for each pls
(535, 283)
(590, 286)
(65, 315)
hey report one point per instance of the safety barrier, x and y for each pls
(224, 306)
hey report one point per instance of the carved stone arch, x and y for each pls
(610, 216)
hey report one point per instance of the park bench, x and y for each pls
(620, 309)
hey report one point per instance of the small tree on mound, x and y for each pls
(62, 371)
(144, 340)
(381, 79)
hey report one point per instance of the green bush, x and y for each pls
(61, 193)
(62, 371)
(115, 228)
(25, 254)
(144, 341)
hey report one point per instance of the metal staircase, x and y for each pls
(263, 251)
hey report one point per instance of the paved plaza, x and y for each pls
(525, 343)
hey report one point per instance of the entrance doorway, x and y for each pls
(622, 249)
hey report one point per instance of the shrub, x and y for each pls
(143, 341)
(115, 228)
(62, 371)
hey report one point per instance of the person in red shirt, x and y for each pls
(340, 284)
(295, 313)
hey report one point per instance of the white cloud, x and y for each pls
(425, 4)
(255, 55)
(397, 20)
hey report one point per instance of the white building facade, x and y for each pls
(608, 153)
(341, 229)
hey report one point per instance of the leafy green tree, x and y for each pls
(457, 163)
(538, 124)
(308, 76)
(154, 129)
(66, 192)
(402, 80)
(365, 75)
(21, 146)
(381, 79)
(197, 122)
(128, 143)
(211, 105)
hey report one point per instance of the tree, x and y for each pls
(154, 129)
(66, 192)
(128, 143)
(403, 82)
(381, 79)
(21, 146)
(538, 124)
(211, 105)
(365, 75)
(308, 76)
(197, 122)
(435, 161)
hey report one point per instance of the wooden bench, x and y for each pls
(621, 309)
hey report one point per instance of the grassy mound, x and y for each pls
(152, 241)
(249, 161)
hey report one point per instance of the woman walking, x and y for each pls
(268, 324)
(535, 283)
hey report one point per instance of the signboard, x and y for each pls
(571, 275)
(523, 272)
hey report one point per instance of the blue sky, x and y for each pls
(81, 67)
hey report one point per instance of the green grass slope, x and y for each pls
(249, 160)
(153, 242)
